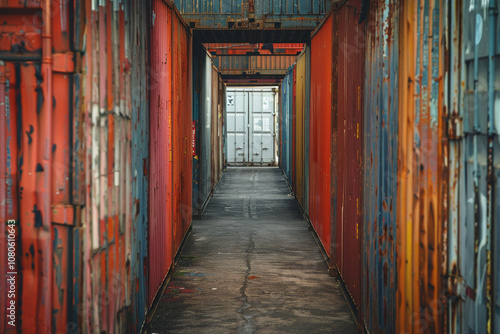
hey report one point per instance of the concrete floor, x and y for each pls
(252, 266)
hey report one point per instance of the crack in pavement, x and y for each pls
(247, 327)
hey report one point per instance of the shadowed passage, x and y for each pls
(252, 265)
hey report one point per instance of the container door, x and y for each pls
(477, 255)
(261, 127)
(237, 126)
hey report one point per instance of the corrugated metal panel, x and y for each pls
(300, 108)
(137, 50)
(214, 127)
(255, 14)
(182, 122)
(251, 125)
(380, 168)
(286, 125)
(204, 129)
(259, 48)
(170, 180)
(307, 87)
(320, 123)
(347, 145)
(253, 65)
(420, 183)
(476, 166)
(160, 239)
(198, 58)
(294, 129)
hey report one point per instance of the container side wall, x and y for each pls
(380, 168)
(137, 50)
(320, 123)
(348, 62)
(420, 181)
(300, 92)
(478, 251)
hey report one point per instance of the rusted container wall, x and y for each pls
(108, 132)
(294, 129)
(224, 124)
(138, 52)
(198, 58)
(220, 121)
(347, 87)
(380, 168)
(476, 249)
(74, 161)
(280, 125)
(320, 128)
(420, 307)
(251, 65)
(307, 95)
(203, 130)
(214, 127)
(286, 125)
(299, 162)
(182, 129)
(264, 13)
(37, 216)
(161, 249)
(258, 48)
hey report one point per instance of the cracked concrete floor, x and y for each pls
(252, 266)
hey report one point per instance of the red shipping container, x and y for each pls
(348, 64)
(320, 132)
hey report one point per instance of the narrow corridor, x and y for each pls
(251, 265)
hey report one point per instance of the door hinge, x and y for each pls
(455, 128)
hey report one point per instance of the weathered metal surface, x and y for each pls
(307, 95)
(139, 106)
(347, 144)
(300, 139)
(161, 194)
(182, 120)
(74, 161)
(286, 126)
(253, 65)
(420, 307)
(379, 283)
(170, 151)
(217, 49)
(475, 258)
(320, 128)
(256, 14)
(251, 121)
(293, 181)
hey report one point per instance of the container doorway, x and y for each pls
(251, 125)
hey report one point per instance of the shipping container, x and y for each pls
(251, 120)
(286, 130)
(171, 142)
(321, 190)
(217, 49)
(74, 162)
(301, 94)
(421, 197)
(474, 232)
(248, 65)
(347, 144)
(257, 14)
(203, 98)
(380, 167)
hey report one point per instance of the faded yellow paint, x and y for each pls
(300, 96)
(419, 230)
